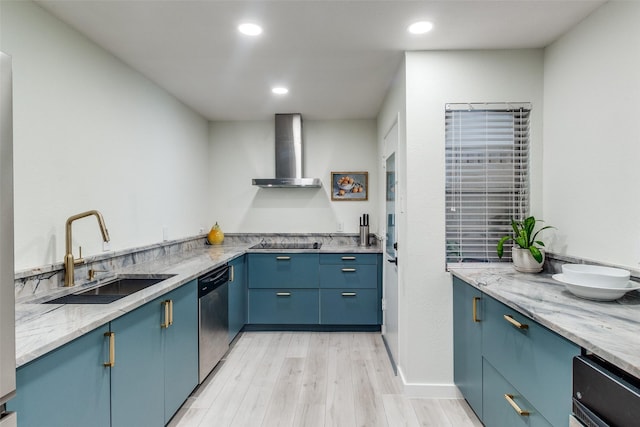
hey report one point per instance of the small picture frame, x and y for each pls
(349, 186)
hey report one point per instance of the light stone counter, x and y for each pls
(611, 330)
(41, 328)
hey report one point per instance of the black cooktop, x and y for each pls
(306, 245)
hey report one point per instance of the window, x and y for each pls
(487, 177)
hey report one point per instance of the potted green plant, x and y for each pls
(527, 253)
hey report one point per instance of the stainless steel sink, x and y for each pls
(112, 290)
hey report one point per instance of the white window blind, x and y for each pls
(487, 177)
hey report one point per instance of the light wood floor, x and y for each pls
(312, 379)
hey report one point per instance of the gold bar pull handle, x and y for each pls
(515, 406)
(475, 309)
(515, 323)
(170, 312)
(348, 270)
(165, 305)
(283, 258)
(112, 350)
(283, 294)
(349, 294)
(348, 258)
(232, 273)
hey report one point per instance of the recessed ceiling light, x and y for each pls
(280, 90)
(420, 27)
(250, 29)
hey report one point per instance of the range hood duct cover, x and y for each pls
(289, 148)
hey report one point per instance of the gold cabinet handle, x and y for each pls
(475, 309)
(232, 273)
(349, 294)
(283, 294)
(165, 324)
(170, 312)
(112, 349)
(515, 406)
(348, 258)
(348, 270)
(283, 258)
(515, 323)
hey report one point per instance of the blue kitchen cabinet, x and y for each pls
(502, 402)
(180, 348)
(283, 270)
(283, 306)
(533, 359)
(137, 378)
(349, 306)
(237, 296)
(66, 387)
(467, 343)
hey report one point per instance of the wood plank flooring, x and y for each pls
(312, 379)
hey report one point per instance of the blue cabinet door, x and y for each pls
(467, 343)
(137, 380)
(66, 387)
(349, 306)
(237, 296)
(283, 306)
(348, 276)
(499, 412)
(283, 270)
(181, 348)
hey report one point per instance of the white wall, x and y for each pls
(432, 80)
(591, 138)
(244, 150)
(91, 133)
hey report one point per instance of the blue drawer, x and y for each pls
(348, 258)
(283, 270)
(497, 410)
(349, 306)
(354, 276)
(283, 306)
(537, 361)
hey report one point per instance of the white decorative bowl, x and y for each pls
(597, 293)
(595, 275)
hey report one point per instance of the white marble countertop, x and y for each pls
(611, 330)
(41, 328)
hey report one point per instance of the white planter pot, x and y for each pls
(524, 262)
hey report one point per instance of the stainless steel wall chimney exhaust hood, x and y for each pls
(288, 135)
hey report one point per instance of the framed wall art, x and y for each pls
(349, 186)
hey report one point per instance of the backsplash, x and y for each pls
(40, 280)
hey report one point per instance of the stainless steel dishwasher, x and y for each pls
(213, 315)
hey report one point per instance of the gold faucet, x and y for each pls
(69, 262)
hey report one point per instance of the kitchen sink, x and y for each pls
(112, 290)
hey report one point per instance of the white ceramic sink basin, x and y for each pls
(595, 275)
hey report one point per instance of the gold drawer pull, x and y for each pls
(170, 312)
(112, 349)
(475, 309)
(349, 294)
(283, 258)
(515, 406)
(348, 270)
(348, 258)
(232, 273)
(515, 323)
(166, 323)
(283, 294)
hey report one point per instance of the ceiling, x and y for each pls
(337, 57)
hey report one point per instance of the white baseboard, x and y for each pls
(428, 391)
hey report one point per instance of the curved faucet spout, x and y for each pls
(69, 262)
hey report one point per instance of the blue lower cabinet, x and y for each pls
(283, 270)
(283, 306)
(348, 276)
(504, 405)
(137, 378)
(66, 387)
(237, 296)
(349, 306)
(181, 348)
